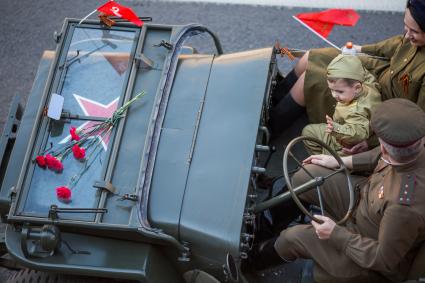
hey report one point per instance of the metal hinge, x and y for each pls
(132, 197)
(54, 210)
(57, 36)
(164, 44)
(105, 186)
(12, 192)
(144, 62)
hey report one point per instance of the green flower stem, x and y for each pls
(99, 142)
(74, 180)
(99, 130)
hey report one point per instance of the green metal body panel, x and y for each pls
(107, 258)
(218, 180)
(192, 215)
(172, 164)
(22, 139)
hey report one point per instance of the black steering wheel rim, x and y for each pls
(342, 168)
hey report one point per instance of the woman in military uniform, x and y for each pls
(401, 75)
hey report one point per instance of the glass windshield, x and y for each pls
(92, 80)
(95, 68)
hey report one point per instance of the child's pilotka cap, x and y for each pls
(346, 67)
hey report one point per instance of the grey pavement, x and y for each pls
(26, 30)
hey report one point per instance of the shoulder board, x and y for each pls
(407, 186)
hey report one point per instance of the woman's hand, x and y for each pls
(358, 48)
(325, 229)
(327, 161)
(360, 147)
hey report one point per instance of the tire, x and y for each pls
(34, 276)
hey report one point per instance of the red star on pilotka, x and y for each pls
(95, 109)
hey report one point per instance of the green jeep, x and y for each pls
(169, 192)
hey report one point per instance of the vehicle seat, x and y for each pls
(417, 270)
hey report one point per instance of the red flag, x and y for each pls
(323, 22)
(324, 29)
(112, 8)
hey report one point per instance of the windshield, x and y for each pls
(91, 77)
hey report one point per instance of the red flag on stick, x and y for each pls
(323, 22)
(112, 8)
(324, 29)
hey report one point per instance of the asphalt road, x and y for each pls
(26, 30)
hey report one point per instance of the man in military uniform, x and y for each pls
(382, 237)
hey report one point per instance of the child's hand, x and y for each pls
(360, 147)
(330, 124)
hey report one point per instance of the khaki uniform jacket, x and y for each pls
(390, 217)
(351, 122)
(402, 76)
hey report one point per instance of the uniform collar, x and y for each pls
(408, 51)
(417, 163)
(355, 99)
(412, 49)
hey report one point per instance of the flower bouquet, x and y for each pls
(81, 141)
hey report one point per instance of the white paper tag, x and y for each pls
(55, 106)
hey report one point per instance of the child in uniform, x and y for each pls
(356, 93)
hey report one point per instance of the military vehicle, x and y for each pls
(168, 193)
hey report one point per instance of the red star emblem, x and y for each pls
(95, 109)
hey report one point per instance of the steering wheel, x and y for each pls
(315, 182)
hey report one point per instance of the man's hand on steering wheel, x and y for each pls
(325, 229)
(327, 161)
(333, 161)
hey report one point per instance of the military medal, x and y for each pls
(381, 192)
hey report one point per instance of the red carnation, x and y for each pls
(41, 161)
(79, 152)
(53, 163)
(63, 194)
(74, 136)
(50, 160)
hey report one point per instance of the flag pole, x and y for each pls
(85, 18)
(316, 33)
